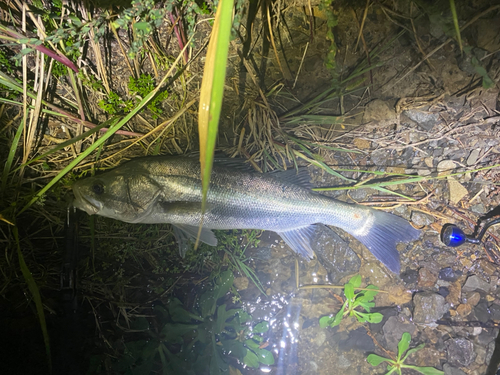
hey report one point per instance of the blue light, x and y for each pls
(453, 236)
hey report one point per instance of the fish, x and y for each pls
(168, 189)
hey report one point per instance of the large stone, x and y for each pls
(428, 307)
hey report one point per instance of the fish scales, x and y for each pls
(166, 189)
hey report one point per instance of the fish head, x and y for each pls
(122, 196)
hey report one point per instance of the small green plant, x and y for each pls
(363, 299)
(398, 364)
(142, 87)
(213, 331)
(176, 340)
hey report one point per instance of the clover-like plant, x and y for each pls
(398, 364)
(363, 299)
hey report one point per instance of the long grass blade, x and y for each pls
(212, 91)
(33, 288)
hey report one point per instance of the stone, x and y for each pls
(460, 352)
(450, 370)
(426, 278)
(334, 254)
(425, 119)
(448, 274)
(362, 144)
(457, 190)
(241, 283)
(472, 159)
(428, 307)
(394, 329)
(464, 309)
(420, 219)
(474, 283)
(359, 340)
(378, 111)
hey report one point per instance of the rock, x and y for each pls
(444, 291)
(464, 309)
(399, 295)
(426, 278)
(362, 144)
(394, 329)
(359, 340)
(455, 293)
(489, 351)
(448, 274)
(320, 338)
(480, 354)
(241, 283)
(428, 307)
(450, 370)
(460, 352)
(474, 282)
(482, 312)
(457, 190)
(472, 298)
(426, 120)
(420, 219)
(478, 208)
(381, 158)
(334, 254)
(378, 111)
(472, 159)
(445, 167)
(410, 277)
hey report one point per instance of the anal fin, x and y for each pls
(299, 240)
(184, 233)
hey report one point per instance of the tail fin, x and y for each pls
(385, 233)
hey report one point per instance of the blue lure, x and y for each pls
(453, 236)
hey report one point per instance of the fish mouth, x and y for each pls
(86, 203)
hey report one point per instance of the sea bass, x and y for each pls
(167, 189)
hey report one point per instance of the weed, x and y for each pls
(398, 364)
(194, 342)
(363, 299)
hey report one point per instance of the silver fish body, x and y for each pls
(166, 189)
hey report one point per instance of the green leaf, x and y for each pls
(174, 332)
(251, 359)
(325, 321)
(265, 356)
(179, 314)
(257, 338)
(252, 344)
(374, 317)
(338, 318)
(261, 327)
(139, 324)
(370, 294)
(143, 26)
(355, 281)
(416, 349)
(365, 305)
(404, 344)
(235, 347)
(375, 360)
(349, 291)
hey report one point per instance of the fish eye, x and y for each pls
(98, 188)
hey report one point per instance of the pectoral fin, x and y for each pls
(299, 240)
(186, 233)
